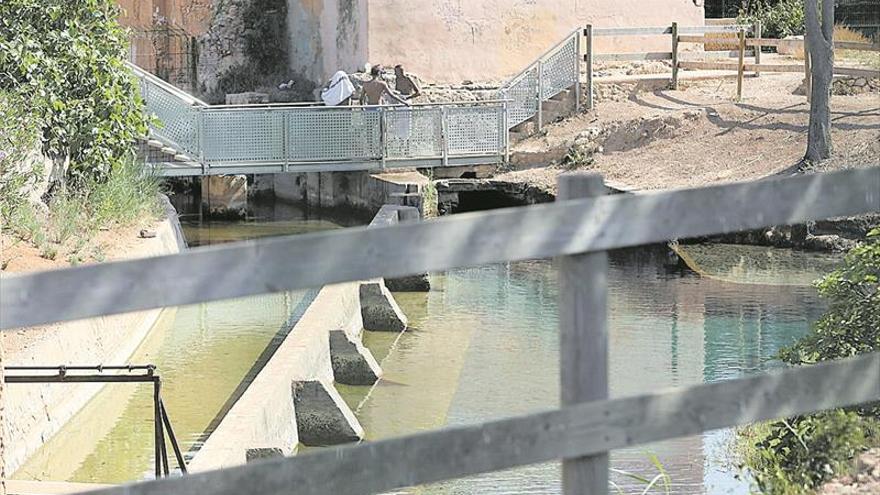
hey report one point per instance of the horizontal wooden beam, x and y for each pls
(648, 31)
(471, 239)
(724, 21)
(848, 45)
(712, 55)
(775, 68)
(773, 42)
(616, 57)
(693, 65)
(867, 73)
(580, 430)
(732, 40)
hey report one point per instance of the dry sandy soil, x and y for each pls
(864, 481)
(699, 135)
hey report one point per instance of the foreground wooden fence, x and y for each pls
(579, 229)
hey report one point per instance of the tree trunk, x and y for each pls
(819, 42)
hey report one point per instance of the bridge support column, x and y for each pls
(225, 195)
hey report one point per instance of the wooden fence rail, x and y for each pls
(540, 231)
(579, 231)
(568, 433)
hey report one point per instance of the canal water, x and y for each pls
(483, 345)
(205, 355)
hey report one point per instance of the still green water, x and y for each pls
(204, 353)
(484, 345)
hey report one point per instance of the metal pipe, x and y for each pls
(157, 429)
(181, 463)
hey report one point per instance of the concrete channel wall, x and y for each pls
(35, 412)
(293, 400)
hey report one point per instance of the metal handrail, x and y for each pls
(515, 79)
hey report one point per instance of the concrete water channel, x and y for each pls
(483, 344)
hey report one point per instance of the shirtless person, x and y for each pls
(405, 84)
(374, 89)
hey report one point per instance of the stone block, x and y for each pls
(379, 311)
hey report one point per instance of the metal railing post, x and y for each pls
(200, 139)
(583, 337)
(285, 147)
(505, 130)
(444, 138)
(540, 94)
(577, 72)
(159, 437)
(588, 58)
(674, 55)
(383, 136)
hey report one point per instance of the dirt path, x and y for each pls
(698, 135)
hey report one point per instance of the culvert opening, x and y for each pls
(484, 200)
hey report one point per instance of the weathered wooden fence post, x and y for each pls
(741, 65)
(675, 55)
(588, 58)
(758, 34)
(583, 337)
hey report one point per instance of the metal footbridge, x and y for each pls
(189, 137)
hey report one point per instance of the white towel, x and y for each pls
(340, 89)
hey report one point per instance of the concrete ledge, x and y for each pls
(322, 417)
(379, 310)
(265, 416)
(353, 364)
(15, 487)
(415, 283)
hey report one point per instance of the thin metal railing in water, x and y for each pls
(145, 373)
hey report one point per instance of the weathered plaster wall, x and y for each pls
(326, 36)
(454, 40)
(194, 16)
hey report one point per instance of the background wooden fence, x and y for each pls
(579, 228)
(747, 41)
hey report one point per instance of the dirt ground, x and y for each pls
(19, 257)
(699, 135)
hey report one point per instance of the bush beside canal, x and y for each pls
(798, 455)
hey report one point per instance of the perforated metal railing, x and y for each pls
(552, 73)
(276, 138)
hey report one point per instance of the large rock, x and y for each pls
(794, 46)
(225, 195)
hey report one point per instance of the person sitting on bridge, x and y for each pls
(405, 84)
(374, 89)
(338, 91)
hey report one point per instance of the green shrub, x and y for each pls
(851, 326)
(68, 57)
(128, 195)
(778, 18)
(797, 455)
(19, 137)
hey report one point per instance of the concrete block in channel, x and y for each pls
(353, 364)
(322, 417)
(379, 310)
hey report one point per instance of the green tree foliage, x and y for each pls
(799, 454)
(68, 57)
(779, 18)
(19, 137)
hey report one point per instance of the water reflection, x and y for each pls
(486, 346)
